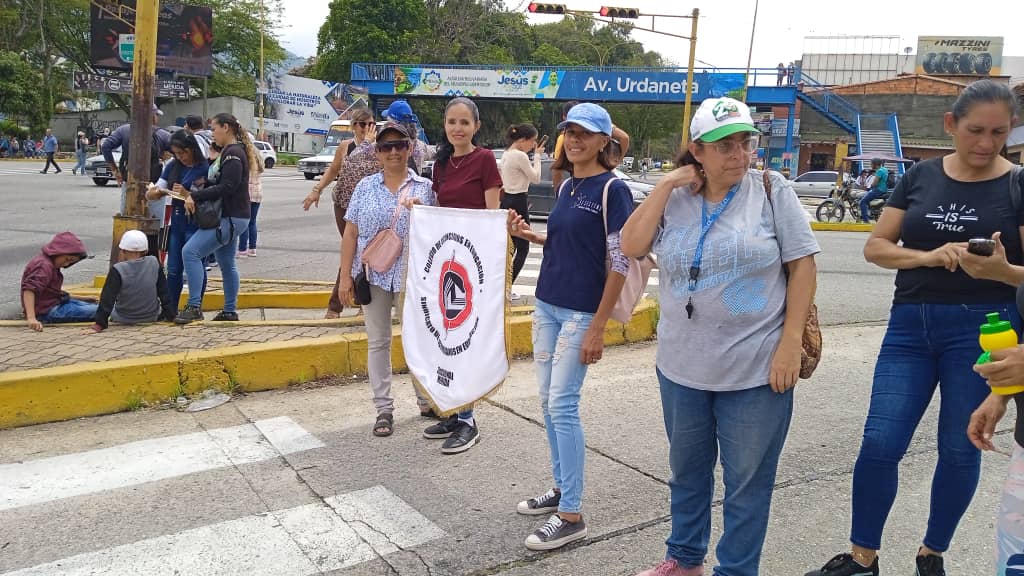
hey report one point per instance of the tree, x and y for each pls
(20, 96)
(361, 31)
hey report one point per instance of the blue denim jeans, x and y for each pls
(749, 427)
(206, 242)
(182, 229)
(925, 345)
(865, 215)
(248, 238)
(70, 311)
(80, 164)
(557, 340)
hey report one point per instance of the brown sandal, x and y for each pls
(385, 424)
(332, 315)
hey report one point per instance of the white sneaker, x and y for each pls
(513, 296)
(252, 252)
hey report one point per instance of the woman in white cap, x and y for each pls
(729, 334)
(575, 297)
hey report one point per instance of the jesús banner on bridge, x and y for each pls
(454, 314)
(559, 84)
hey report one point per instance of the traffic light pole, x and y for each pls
(688, 104)
(136, 216)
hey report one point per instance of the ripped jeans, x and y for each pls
(557, 339)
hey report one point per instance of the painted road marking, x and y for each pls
(58, 477)
(351, 529)
(530, 273)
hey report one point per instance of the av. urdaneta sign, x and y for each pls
(453, 319)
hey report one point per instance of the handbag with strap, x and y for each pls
(637, 277)
(208, 213)
(361, 288)
(385, 247)
(810, 343)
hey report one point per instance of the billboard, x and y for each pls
(117, 85)
(184, 37)
(960, 55)
(306, 105)
(558, 84)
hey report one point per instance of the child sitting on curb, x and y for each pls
(42, 296)
(136, 289)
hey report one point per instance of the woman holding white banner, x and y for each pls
(380, 202)
(575, 297)
(465, 176)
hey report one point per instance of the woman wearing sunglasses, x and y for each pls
(354, 159)
(376, 202)
(729, 335)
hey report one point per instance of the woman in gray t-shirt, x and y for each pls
(729, 335)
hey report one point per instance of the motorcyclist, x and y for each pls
(877, 188)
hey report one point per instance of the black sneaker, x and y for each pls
(463, 438)
(546, 503)
(930, 566)
(845, 565)
(556, 533)
(226, 317)
(442, 429)
(188, 315)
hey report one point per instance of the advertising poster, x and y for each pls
(556, 84)
(306, 105)
(960, 55)
(184, 37)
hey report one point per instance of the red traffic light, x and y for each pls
(614, 12)
(539, 8)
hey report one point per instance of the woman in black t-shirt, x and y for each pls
(942, 296)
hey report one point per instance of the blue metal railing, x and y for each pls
(829, 103)
(894, 127)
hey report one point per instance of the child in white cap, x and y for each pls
(136, 289)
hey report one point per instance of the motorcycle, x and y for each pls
(847, 199)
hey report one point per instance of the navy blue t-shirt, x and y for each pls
(573, 271)
(177, 173)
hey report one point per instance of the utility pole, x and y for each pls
(263, 87)
(136, 216)
(688, 103)
(750, 52)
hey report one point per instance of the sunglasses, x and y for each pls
(393, 145)
(362, 124)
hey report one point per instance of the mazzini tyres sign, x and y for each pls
(960, 55)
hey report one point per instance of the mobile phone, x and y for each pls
(543, 141)
(981, 246)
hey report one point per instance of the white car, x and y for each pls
(819, 184)
(96, 168)
(316, 165)
(267, 153)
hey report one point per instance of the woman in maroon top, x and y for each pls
(465, 176)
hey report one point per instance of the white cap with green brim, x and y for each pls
(720, 117)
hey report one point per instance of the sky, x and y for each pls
(723, 32)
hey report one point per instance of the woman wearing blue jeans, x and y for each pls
(942, 297)
(729, 335)
(575, 297)
(186, 173)
(228, 180)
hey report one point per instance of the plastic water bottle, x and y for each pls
(997, 334)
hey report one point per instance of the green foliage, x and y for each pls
(21, 96)
(361, 31)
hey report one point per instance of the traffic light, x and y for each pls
(613, 12)
(538, 8)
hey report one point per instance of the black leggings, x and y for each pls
(521, 204)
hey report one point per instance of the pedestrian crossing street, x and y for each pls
(316, 536)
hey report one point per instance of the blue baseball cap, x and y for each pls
(400, 111)
(591, 117)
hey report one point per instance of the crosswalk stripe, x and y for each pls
(58, 477)
(345, 530)
(535, 273)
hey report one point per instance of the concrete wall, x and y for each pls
(66, 125)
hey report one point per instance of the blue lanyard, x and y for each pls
(707, 221)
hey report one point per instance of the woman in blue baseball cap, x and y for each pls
(575, 297)
(401, 112)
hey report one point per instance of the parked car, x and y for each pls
(818, 184)
(267, 153)
(542, 195)
(316, 165)
(97, 169)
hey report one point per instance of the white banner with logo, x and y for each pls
(454, 316)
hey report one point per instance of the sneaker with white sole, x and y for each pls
(442, 429)
(845, 565)
(672, 568)
(463, 437)
(556, 533)
(546, 503)
(252, 253)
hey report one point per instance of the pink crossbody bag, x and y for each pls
(383, 249)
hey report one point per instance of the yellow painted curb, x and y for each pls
(246, 300)
(96, 388)
(841, 227)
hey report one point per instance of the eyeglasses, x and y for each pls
(393, 145)
(362, 124)
(733, 146)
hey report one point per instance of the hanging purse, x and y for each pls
(637, 277)
(383, 249)
(361, 288)
(810, 343)
(208, 213)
